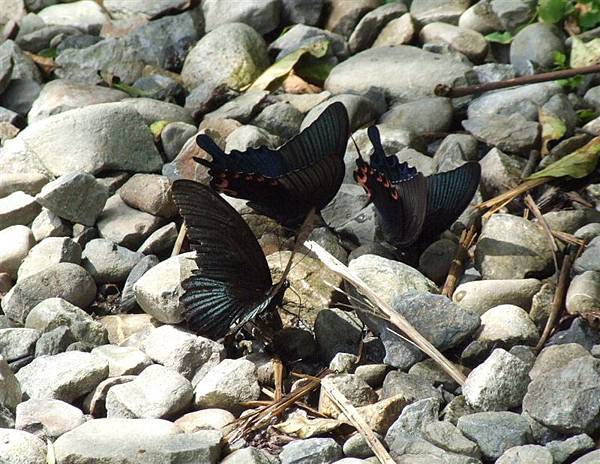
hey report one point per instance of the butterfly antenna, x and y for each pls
(356, 146)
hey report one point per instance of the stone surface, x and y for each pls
(534, 46)
(513, 133)
(17, 343)
(66, 280)
(313, 450)
(48, 252)
(15, 243)
(107, 262)
(47, 418)
(65, 376)
(216, 419)
(427, 11)
(526, 453)
(507, 325)
(563, 450)
(21, 447)
(52, 313)
(368, 28)
(150, 193)
(10, 389)
(356, 390)
(47, 224)
(261, 15)
(226, 385)
(584, 293)
(18, 208)
(122, 360)
(511, 247)
(158, 392)
(136, 441)
(85, 15)
(337, 331)
(479, 296)
(468, 42)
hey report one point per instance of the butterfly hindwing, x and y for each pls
(233, 279)
(305, 172)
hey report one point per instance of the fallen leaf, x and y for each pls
(553, 128)
(584, 53)
(284, 66)
(578, 164)
(157, 127)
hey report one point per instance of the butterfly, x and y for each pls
(411, 206)
(232, 284)
(304, 173)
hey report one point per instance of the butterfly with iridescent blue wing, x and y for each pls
(410, 206)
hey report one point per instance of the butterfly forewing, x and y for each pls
(233, 276)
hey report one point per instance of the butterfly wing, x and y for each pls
(305, 172)
(448, 194)
(233, 281)
(398, 191)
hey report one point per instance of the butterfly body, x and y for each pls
(411, 206)
(286, 183)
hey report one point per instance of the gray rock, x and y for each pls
(466, 41)
(430, 371)
(18, 208)
(411, 387)
(507, 325)
(158, 290)
(52, 313)
(524, 100)
(174, 136)
(39, 39)
(17, 343)
(571, 221)
(592, 97)
(357, 447)
(368, 28)
(414, 418)
(435, 261)
(427, 11)
(343, 17)
(337, 331)
(19, 446)
(15, 243)
(480, 17)
(241, 108)
(249, 455)
(212, 419)
(312, 450)
(513, 13)
(584, 293)
(399, 31)
(69, 281)
(511, 247)
(261, 15)
(28, 182)
(55, 341)
(182, 351)
(48, 252)
(158, 392)
(124, 225)
(561, 107)
(356, 391)
(137, 441)
(77, 197)
(533, 48)
(494, 72)
(119, 9)
(281, 119)
(589, 458)
(65, 376)
(106, 136)
(432, 114)
(246, 137)
(301, 36)
(10, 390)
(457, 408)
(495, 432)
(567, 410)
(228, 384)
(379, 68)
(301, 11)
(128, 303)
(454, 151)
(85, 15)
(588, 261)
(153, 110)
(23, 67)
(482, 295)
(20, 95)
(160, 240)
(95, 401)
(113, 180)
(47, 418)
(497, 384)
(107, 262)
(513, 133)
(234, 54)
(343, 363)
(122, 360)
(578, 332)
(361, 110)
(563, 450)
(448, 437)
(499, 172)
(47, 224)
(525, 454)
(61, 95)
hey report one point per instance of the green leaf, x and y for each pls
(500, 37)
(316, 72)
(157, 127)
(553, 128)
(48, 53)
(130, 90)
(586, 115)
(578, 164)
(589, 19)
(553, 11)
(584, 53)
(283, 67)
(560, 59)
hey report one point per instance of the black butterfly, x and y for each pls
(232, 284)
(286, 183)
(410, 205)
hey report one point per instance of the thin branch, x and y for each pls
(180, 239)
(338, 398)
(442, 90)
(467, 238)
(547, 230)
(559, 295)
(396, 319)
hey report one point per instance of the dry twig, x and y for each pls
(467, 238)
(180, 239)
(357, 421)
(421, 342)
